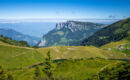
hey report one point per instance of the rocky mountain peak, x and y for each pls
(63, 25)
(78, 26)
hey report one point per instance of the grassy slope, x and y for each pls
(18, 57)
(21, 57)
(115, 45)
(66, 52)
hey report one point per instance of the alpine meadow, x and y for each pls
(64, 40)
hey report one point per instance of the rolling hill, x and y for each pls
(17, 54)
(16, 57)
(74, 52)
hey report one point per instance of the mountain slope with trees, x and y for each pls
(13, 42)
(14, 35)
(115, 32)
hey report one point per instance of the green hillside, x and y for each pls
(115, 32)
(22, 57)
(82, 69)
(122, 46)
(66, 52)
(13, 42)
(17, 61)
(118, 71)
(13, 57)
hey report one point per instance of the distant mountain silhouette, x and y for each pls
(10, 33)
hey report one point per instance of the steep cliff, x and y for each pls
(69, 33)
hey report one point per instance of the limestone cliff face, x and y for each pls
(69, 33)
(75, 26)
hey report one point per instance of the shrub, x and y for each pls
(38, 75)
(120, 71)
(3, 75)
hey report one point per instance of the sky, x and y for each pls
(64, 9)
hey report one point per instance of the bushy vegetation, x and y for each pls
(79, 69)
(73, 69)
(4, 75)
(13, 42)
(38, 73)
(119, 71)
(48, 69)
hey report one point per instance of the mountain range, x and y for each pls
(69, 33)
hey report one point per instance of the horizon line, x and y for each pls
(62, 18)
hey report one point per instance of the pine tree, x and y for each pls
(49, 67)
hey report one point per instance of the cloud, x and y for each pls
(112, 17)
